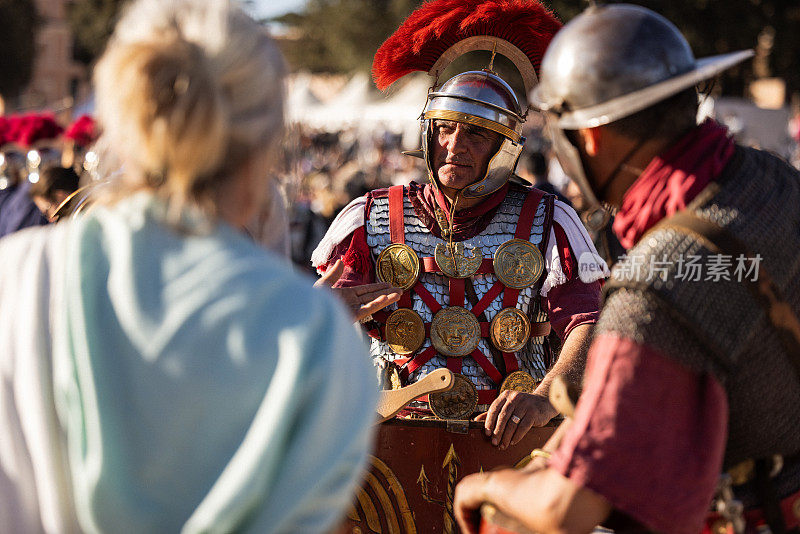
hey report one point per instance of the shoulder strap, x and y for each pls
(764, 291)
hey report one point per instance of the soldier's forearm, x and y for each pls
(572, 360)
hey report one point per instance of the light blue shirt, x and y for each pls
(199, 384)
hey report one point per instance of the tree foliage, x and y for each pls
(343, 35)
(18, 23)
(716, 27)
(92, 23)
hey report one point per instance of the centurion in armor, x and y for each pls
(476, 281)
(693, 371)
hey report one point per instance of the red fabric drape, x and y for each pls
(672, 180)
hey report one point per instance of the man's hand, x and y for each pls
(362, 300)
(513, 413)
(470, 495)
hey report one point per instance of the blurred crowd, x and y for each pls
(43, 162)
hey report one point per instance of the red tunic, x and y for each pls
(649, 434)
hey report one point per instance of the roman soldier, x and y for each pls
(487, 266)
(694, 370)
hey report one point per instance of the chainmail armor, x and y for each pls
(530, 358)
(716, 326)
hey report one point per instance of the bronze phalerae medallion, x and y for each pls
(405, 331)
(519, 381)
(518, 263)
(457, 403)
(455, 331)
(452, 260)
(510, 329)
(398, 265)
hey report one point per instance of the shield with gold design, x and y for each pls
(405, 331)
(413, 471)
(510, 329)
(457, 261)
(455, 331)
(518, 263)
(398, 265)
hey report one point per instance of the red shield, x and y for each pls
(411, 477)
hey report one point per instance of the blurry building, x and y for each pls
(58, 80)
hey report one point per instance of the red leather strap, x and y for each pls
(527, 214)
(397, 228)
(487, 299)
(487, 366)
(429, 265)
(540, 329)
(455, 364)
(405, 300)
(456, 291)
(416, 362)
(486, 396)
(427, 298)
(511, 362)
(510, 297)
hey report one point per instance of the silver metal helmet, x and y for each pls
(608, 63)
(479, 98)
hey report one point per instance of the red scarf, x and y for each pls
(466, 223)
(672, 180)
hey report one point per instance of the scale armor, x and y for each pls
(530, 358)
(716, 326)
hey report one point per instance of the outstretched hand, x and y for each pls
(362, 300)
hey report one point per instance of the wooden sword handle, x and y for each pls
(393, 400)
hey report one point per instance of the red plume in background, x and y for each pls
(439, 24)
(82, 132)
(33, 128)
(4, 127)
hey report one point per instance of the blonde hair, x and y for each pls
(187, 91)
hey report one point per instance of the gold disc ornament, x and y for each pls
(510, 329)
(398, 265)
(518, 263)
(455, 331)
(454, 262)
(519, 381)
(456, 404)
(405, 331)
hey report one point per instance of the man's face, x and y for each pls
(461, 153)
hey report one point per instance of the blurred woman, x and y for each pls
(161, 372)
